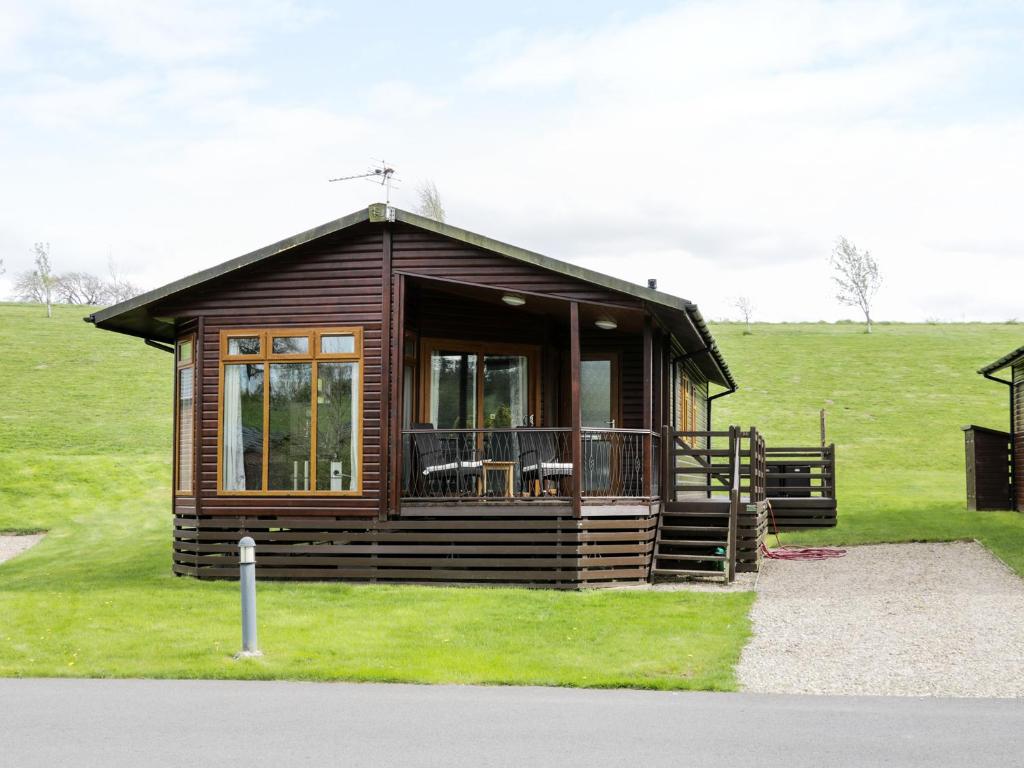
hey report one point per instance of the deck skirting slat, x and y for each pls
(558, 552)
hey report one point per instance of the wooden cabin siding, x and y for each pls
(1017, 429)
(333, 282)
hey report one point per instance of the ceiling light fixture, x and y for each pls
(606, 324)
(512, 300)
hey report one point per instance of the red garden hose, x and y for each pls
(796, 553)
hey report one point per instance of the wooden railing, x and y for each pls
(735, 502)
(523, 464)
(701, 463)
(801, 472)
(725, 465)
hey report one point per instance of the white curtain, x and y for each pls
(233, 450)
(436, 362)
(518, 389)
(354, 442)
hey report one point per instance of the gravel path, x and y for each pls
(15, 545)
(889, 619)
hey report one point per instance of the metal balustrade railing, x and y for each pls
(528, 463)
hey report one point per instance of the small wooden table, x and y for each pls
(501, 466)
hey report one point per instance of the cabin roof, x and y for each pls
(132, 316)
(1004, 361)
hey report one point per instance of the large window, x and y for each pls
(291, 411)
(184, 432)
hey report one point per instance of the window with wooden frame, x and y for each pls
(184, 415)
(686, 403)
(291, 412)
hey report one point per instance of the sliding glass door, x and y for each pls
(469, 387)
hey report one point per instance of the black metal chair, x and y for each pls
(540, 460)
(443, 462)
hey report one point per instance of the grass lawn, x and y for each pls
(85, 453)
(896, 401)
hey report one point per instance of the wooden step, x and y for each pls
(716, 515)
(689, 505)
(707, 558)
(686, 572)
(663, 541)
(695, 528)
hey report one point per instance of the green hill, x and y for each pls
(896, 400)
(85, 433)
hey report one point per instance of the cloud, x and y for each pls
(182, 31)
(721, 147)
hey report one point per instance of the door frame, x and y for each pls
(480, 348)
(616, 368)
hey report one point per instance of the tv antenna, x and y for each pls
(382, 174)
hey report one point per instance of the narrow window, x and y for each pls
(185, 417)
(337, 420)
(241, 437)
(291, 421)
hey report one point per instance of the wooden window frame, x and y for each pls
(180, 365)
(314, 358)
(686, 401)
(530, 351)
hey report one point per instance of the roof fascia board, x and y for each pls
(1005, 361)
(220, 270)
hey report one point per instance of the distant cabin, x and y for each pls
(390, 398)
(995, 458)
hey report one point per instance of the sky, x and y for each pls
(720, 147)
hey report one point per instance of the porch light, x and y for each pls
(606, 324)
(512, 300)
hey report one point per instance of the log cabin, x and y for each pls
(995, 458)
(386, 398)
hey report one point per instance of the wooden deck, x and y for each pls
(801, 486)
(716, 487)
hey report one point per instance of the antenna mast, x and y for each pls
(382, 174)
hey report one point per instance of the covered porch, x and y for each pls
(513, 399)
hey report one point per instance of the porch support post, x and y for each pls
(397, 375)
(384, 491)
(574, 406)
(648, 472)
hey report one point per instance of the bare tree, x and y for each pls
(44, 274)
(429, 201)
(118, 287)
(856, 276)
(746, 308)
(81, 288)
(27, 287)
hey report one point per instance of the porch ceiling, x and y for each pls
(628, 319)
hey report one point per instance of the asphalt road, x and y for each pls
(148, 722)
